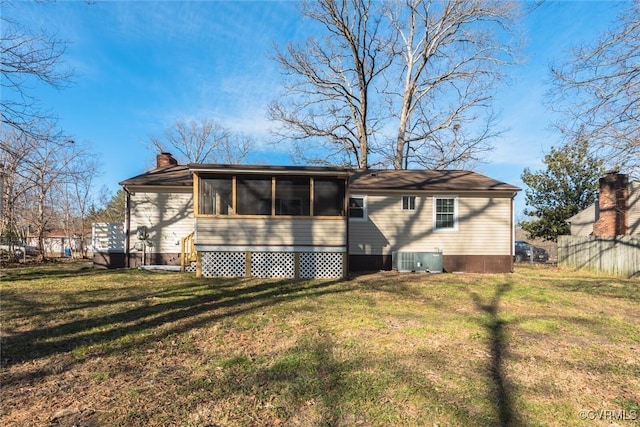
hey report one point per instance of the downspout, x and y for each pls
(127, 227)
(513, 229)
(345, 205)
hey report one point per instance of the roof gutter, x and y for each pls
(270, 171)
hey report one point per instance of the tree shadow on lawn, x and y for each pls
(607, 287)
(501, 389)
(304, 384)
(311, 376)
(145, 323)
(55, 270)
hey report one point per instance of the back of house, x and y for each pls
(291, 221)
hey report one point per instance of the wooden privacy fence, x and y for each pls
(614, 255)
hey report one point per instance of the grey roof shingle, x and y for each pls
(408, 180)
(175, 175)
(438, 180)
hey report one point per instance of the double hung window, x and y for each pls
(445, 212)
(408, 203)
(358, 207)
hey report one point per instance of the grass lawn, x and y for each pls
(538, 347)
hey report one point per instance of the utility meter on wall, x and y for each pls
(142, 233)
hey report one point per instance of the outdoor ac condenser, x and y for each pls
(417, 261)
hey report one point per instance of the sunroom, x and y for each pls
(266, 221)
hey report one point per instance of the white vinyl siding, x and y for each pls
(271, 232)
(168, 216)
(484, 226)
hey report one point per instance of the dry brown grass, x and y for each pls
(103, 348)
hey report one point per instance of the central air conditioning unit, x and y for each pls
(405, 262)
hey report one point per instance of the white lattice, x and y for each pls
(191, 268)
(273, 264)
(223, 264)
(320, 264)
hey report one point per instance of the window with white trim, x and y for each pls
(358, 208)
(445, 213)
(408, 203)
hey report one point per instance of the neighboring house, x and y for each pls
(277, 221)
(606, 236)
(616, 213)
(58, 243)
(582, 223)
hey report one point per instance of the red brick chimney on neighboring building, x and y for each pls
(165, 159)
(613, 216)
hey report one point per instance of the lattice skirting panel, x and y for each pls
(223, 264)
(321, 265)
(273, 264)
(191, 268)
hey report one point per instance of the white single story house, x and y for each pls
(292, 221)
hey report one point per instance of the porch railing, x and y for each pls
(187, 251)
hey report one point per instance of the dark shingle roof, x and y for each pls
(175, 175)
(446, 180)
(438, 180)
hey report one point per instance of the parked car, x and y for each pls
(525, 249)
(19, 249)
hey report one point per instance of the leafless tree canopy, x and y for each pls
(47, 184)
(332, 81)
(27, 58)
(407, 83)
(597, 87)
(450, 56)
(202, 141)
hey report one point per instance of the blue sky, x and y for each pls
(140, 64)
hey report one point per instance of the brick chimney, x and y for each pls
(165, 159)
(613, 215)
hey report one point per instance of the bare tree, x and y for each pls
(332, 82)
(27, 57)
(451, 53)
(36, 169)
(15, 187)
(597, 88)
(77, 198)
(203, 141)
(425, 68)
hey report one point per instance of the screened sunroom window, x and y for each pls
(214, 196)
(328, 197)
(253, 196)
(293, 196)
